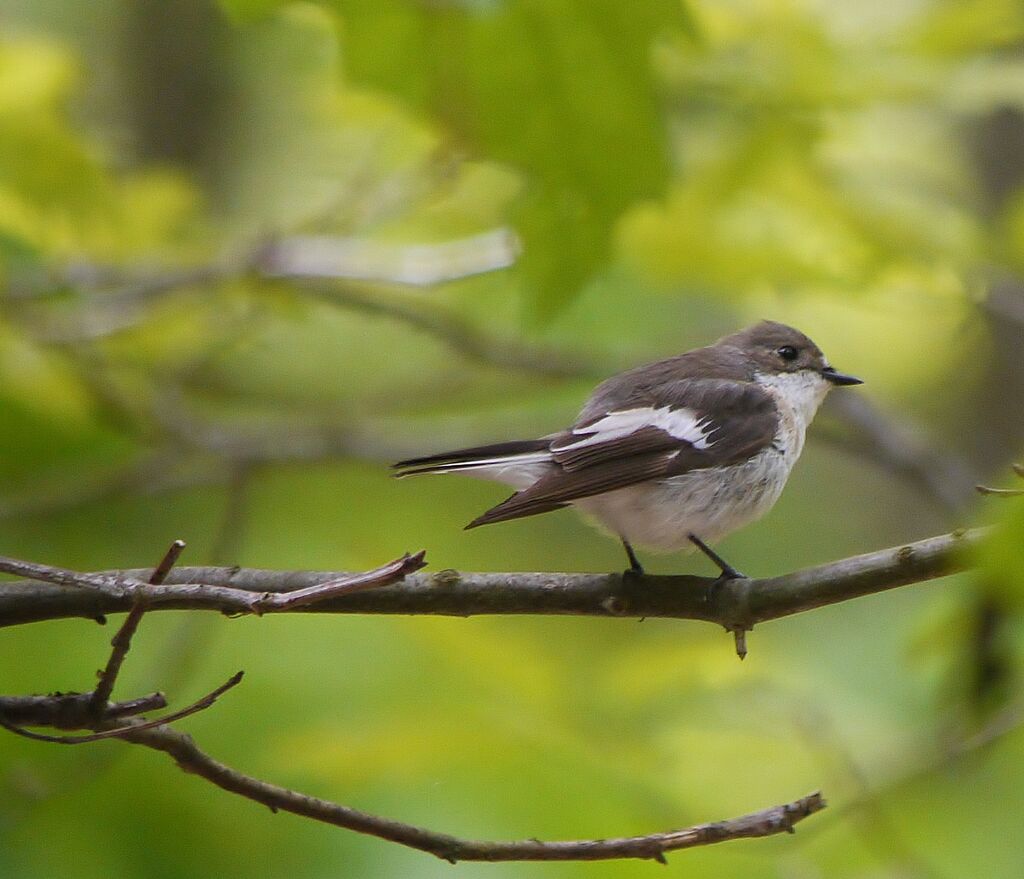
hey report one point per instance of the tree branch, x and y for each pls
(71, 710)
(894, 445)
(191, 759)
(120, 721)
(459, 334)
(120, 732)
(183, 750)
(736, 605)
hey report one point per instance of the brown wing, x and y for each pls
(556, 490)
(684, 425)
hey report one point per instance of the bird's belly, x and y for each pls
(660, 515)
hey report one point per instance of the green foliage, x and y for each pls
(59, 197)
(530, 84)
(1000, 556)
(823, 163)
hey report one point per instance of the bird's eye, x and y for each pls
(787, 352)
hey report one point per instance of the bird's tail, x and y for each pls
(484, 459)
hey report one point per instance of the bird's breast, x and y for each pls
(710, 503)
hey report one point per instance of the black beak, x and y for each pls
(840, 378)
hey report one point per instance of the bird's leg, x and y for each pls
(635, 568)
(728, 571)
(739, 633)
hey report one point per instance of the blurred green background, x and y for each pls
(252, 251)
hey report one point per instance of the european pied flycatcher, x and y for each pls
(672, 454)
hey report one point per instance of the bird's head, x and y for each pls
(774, 349)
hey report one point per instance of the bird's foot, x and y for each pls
(632, 575)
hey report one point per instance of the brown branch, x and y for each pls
(456, 332)
(891, 444)
(738, 604)
(184, 751)
(121, 731)
(121, 642)
(190, 758)
(169, 560)
(71, 710)
(79, 711)
(127, 588)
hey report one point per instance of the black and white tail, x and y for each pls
(514, 462)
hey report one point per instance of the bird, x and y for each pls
(673, 455)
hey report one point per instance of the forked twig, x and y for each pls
(121, 642)
(1004, 492)
(344, 585)
(119, 732)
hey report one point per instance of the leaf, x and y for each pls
(1002, 554)
(561, 89)
(806, 161)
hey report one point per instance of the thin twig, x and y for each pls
(134, 707)
(125, 590)
(169, 560)
(345, 585)
(456, 332)
(778, 819)
(891, 444)
(121, 642)
(999, 492)
(1004, 492)
(119, 732)
(180, 747)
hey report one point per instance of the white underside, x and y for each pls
(661, 515)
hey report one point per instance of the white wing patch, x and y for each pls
(683, 424)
